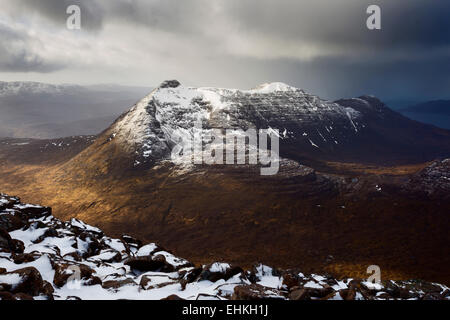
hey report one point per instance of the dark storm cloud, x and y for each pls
(404, 22)
(169, 15)
(336, 77)
(18, 56)
(321, 45)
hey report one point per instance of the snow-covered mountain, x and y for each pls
(44, 258)
(354, 129)
(171, 112)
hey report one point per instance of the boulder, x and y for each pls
(290, 279)
(148, 250)
(109, 256)
(255, 292)
(299, 294)
(116, 284)
(5, 240)
(95, 246)
(22, 296)
(35, 212)
(74, 255)
(8, 202)
(432, 296)
(217, 271)
(5, 295)
(10, 245)
(332, 296)
(64, 271)
(173, 297)
(318, 292)
(17, 246)
(348, 294)
(150, 263)
(25, 257)
(190, 276)
(145, 281)
(49, 233)
(93, 281)
(130, 241)
(29, 282)
(48, 289)
(11, 222)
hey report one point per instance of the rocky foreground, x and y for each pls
(43, 258)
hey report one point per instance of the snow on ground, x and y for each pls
(76, 260)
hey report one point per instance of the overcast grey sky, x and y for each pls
(321, 46)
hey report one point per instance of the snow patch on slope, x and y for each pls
(273, 87)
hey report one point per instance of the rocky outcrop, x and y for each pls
(44, 258)
(431, 182)
(217, 271)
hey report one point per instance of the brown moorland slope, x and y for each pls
(340, 219)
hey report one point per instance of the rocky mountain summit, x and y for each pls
(171, 111)
(44, 258)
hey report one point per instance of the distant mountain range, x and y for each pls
(433, 112)
(434, 107)
(39, 110)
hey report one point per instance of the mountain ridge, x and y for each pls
(44, 258)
